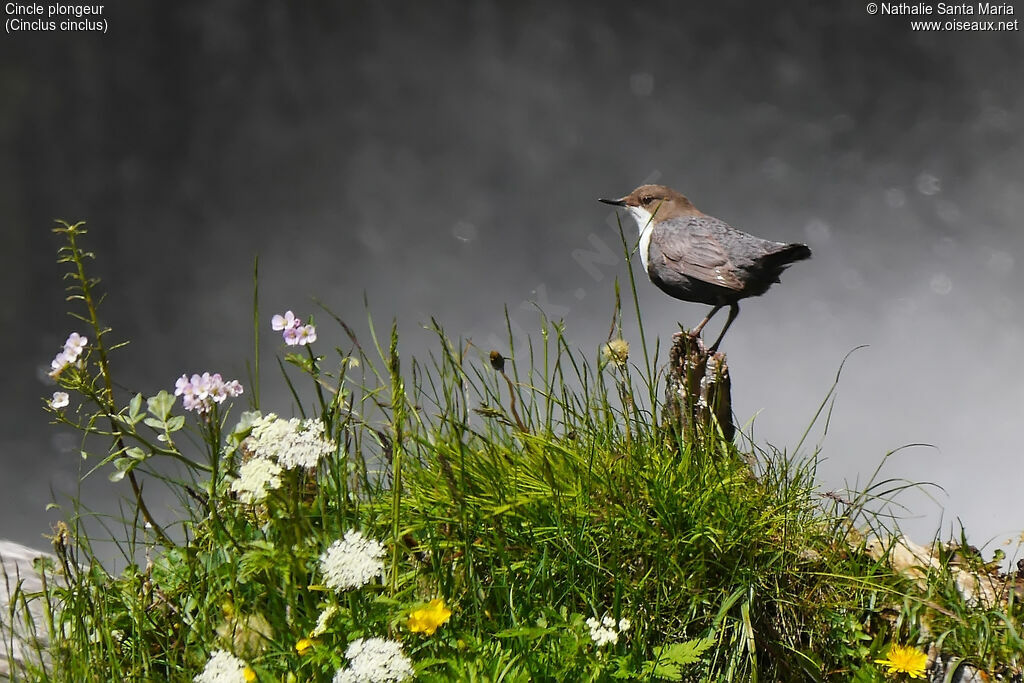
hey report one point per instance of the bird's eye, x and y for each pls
(646, 200)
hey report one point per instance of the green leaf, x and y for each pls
(528, 632)
(624, 670)
(686, 653)
(154, 423)
(160, 405)
(666, 672)
(670, 659)
(136, 454)
(299, 361)
(122, 466)
(175, 423)
(125, 420)
(134, 408)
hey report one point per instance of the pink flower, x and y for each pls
(285, 322)
(291, 336)
(292, 329)
(234, 388)
(201, 392)
(307, 334)
(183, 386)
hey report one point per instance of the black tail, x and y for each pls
(777, 261)
(788, 254)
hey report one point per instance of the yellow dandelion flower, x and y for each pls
(249, 675)
(303, 646)
(905, 660)
(427, 619)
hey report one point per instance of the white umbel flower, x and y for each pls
(293, 443)
(257, 477)
(602, 633)
(374, 660)
(352, 562)
(224, 667)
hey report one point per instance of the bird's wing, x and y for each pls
(694, 247)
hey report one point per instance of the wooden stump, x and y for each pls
(698, 397)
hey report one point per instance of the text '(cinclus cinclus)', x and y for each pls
(695, 257)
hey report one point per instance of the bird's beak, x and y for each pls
(613, 202)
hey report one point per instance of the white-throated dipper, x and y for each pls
(695, 257)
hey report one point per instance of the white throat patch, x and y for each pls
(646, 226)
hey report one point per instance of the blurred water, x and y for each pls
(445, 159)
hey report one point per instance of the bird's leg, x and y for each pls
(734, 310)
(695, 332)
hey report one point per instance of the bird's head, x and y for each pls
(654, 202)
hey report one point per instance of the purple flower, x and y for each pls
(291, 336)
(201, 392)
(292, 329)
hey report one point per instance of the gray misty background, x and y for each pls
(445, 158)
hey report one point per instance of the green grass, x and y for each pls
(530, 494)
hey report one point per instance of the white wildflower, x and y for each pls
(58, 364)
(603, 631)
(284, 322)
(74, 345)
(352, 562)
(374, 660)
(59, 400)
(257, 477)
(224, 667)
(293, 443)
(600, 634)
(72, 351)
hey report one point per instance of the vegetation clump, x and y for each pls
(521, 514)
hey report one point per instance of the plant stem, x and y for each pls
(90, 305)
(398, 416)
